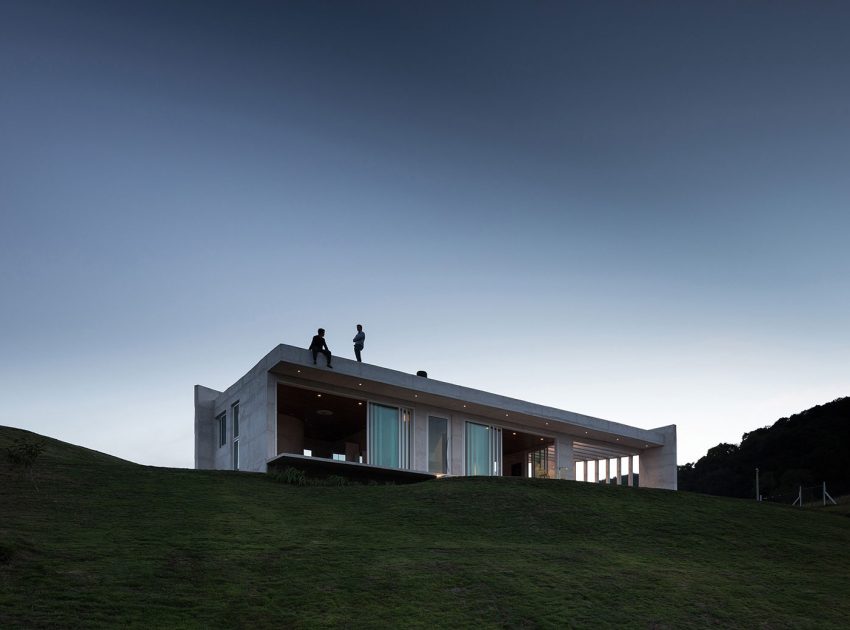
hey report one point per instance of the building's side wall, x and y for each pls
(205, 427)
(658, 468)
(252, 394)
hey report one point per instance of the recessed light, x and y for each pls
(416, 395)
(506, 415)
(360, 403)
(359, 384)
(318, 395)
(541, 439)
(514, 432)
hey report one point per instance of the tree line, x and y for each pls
(807, 448)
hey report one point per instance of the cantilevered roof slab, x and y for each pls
(594, 435)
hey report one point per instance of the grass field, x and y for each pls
(93, 541)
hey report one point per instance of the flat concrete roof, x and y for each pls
(593, 438)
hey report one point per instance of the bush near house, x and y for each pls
(106, 543)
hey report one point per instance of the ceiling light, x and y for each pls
(318, 395)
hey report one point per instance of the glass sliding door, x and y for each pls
(483, 449)
(438, 445)
(389, 436)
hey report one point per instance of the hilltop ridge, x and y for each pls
(96, 541)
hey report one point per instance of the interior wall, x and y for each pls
(290, 434)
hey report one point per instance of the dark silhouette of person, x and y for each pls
(318, 345)
(359, 340)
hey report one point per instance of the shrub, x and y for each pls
(292, 476)
(23, 453)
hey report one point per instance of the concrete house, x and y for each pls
(287, 410)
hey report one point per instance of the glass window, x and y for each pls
(483, 450)
(541, 463)
(477, 449)
(222, 428)
(384, 436)
(438, 445)
(236, 455)
(234, 412)
(389, 436)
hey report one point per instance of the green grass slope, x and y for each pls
(94, 541)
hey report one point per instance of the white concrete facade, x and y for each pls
(544, 440)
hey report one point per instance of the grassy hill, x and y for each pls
(94, 541)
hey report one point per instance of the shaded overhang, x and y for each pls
(593, 438)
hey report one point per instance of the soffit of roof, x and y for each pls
(295, 365)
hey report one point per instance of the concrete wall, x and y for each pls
(205, 427)
(256, 431)
(658, 467)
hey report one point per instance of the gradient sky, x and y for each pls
(637, 211)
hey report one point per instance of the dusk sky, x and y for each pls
(634, 210)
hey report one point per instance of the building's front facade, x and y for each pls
(368, 415)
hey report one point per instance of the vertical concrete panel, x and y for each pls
(271, 416)
(457, 446)
(205, 427)
(420, 440)
(658, 468)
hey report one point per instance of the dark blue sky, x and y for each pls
(632, 210)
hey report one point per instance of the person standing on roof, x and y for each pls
(359, 340)
(318, 345)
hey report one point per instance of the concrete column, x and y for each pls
(596, 471)
(271, 415)
(585, 471)
(619, 470)
(566, 463)
(631, 471)
(658, 464)
(607, 466)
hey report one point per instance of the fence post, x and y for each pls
(757, 485)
